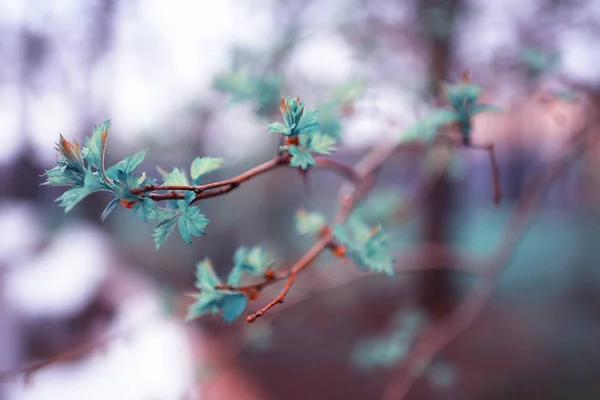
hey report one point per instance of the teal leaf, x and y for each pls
(109, 209)
(210, 300)
(91, 184)
(368, 247)
(309, 223)
(163, 229)
(191, 223)
(96, 144)
(480, 108)
(322, 144)
(145, 208)
(252, 261)
(232, 306)
(428, 127)
(127, 165)
(206, 278)
(278, 127)
(300, 158)
(308, 123)
(202, 166)
(462, 94)
(176, 178)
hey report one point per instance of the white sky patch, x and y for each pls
(76, 260)
(325, 59)
(10, 123)
(18, 217)
(148, 358)
(47, 113)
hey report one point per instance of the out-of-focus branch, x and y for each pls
(439, 335)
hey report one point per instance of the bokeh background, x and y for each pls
(188, 79)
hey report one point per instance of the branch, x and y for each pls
(444, 332)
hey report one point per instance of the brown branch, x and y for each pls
(444, 332)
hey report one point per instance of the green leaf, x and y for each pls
(462, 94)
(308, 123)
(176, 178)
(109, 209)
(232, 306)
(191, 223)
(479, 108)
(202, 166)
(96, 145)
(163, 229)
(309, 223)
(322, 144)
(427, 128)
(252, 261)
(300, 158)
(91, 184)
(206, 278)
(367, 247)
(278, 127)
(127, 165)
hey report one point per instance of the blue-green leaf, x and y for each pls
(309, 223)
(202, 166)
(232, 306)
(127, 165)
(278, 127)
(176, 178)
(163, 229)
(96, 144)
(479, 108)
(300, 158)
(191, 223)
(109, 209)
(206, 278)
(321, 143)
(91, 184)
(252, 261)
(427, 128)
(308, 123)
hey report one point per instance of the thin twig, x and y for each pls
(434, 339)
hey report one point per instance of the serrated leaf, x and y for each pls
(176, 178)
(322, 144)
(203, 165)
(232, 306)
(252, 261)
(191, 223)
(109, 209)
(91, 184)
(96, 144)
(278, 127)
(428, 127)
(300, 158)
(309, 223)
(127, 165)
(164, 229)
(206, 278)
(308, 123)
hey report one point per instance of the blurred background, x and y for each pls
(188, 79)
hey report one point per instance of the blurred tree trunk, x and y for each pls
(437, 19)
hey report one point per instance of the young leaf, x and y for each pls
(96, 145)
(163, 229)
(252, 261)
(278, 127)
(206, 278)
(309, 223)
(322, 144)
(191, 223)
(232, 306)
(176, 178)
(300, 158)
(308, 123)
(127, 165)
(204, 165)
(91, 184)
(109, 209)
